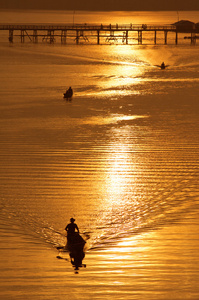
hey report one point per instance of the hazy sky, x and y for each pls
(103, 5)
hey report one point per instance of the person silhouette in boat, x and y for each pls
(75, 245)
(69, 93)
(71, 230)
(163, 66)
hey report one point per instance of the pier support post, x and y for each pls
(50, 35)
(35, 36)
(52, 38)
(22, 36)
(155, 37)
(165, 37)
(77, 37)
(176, 40)
(139, 37)
(127, 37)
(63, 36)
(193, 38)
(11, 31)
(98, 37)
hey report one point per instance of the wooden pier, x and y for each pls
(95, 34)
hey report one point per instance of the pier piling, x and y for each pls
(176, 39)
(63, 36)
(139, 37)
(155, 37)
(11, 32)
(98, 37)
(35, 36)
(22, 36)
(126, 37)
(165, 37)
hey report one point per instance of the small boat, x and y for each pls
(162, 66)
(68, 94)
(75, 247)
(75, 242)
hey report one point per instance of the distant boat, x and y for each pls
(162, 66)
(68, 94)
(192, 37)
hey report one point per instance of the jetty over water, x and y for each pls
(96, 34)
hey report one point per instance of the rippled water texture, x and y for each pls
(121, 157)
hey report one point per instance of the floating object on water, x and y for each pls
(162, 66)
(75, 247)
(68, 94)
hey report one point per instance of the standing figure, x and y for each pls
(71, 229)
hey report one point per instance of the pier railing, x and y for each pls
(85, 26)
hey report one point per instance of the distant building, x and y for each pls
(197, 27)
(185, 26)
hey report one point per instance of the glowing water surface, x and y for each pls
(121, 157)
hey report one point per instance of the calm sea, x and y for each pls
(121, 157)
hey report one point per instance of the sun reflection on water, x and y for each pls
(120, 169)
(122, 82)
(118, 177)
(124, 72)
(112, 119)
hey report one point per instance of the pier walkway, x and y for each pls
(93, 34)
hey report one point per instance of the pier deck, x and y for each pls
(100, 34)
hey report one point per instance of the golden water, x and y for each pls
(121, 157)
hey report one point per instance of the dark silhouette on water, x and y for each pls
(76, 250)
(75, 245)
(162, 66)
(68, 94)
(71, 228)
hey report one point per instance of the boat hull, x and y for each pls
(75, 246)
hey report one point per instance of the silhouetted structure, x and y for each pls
(185, 26)
(68, 95)
(102, 33)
